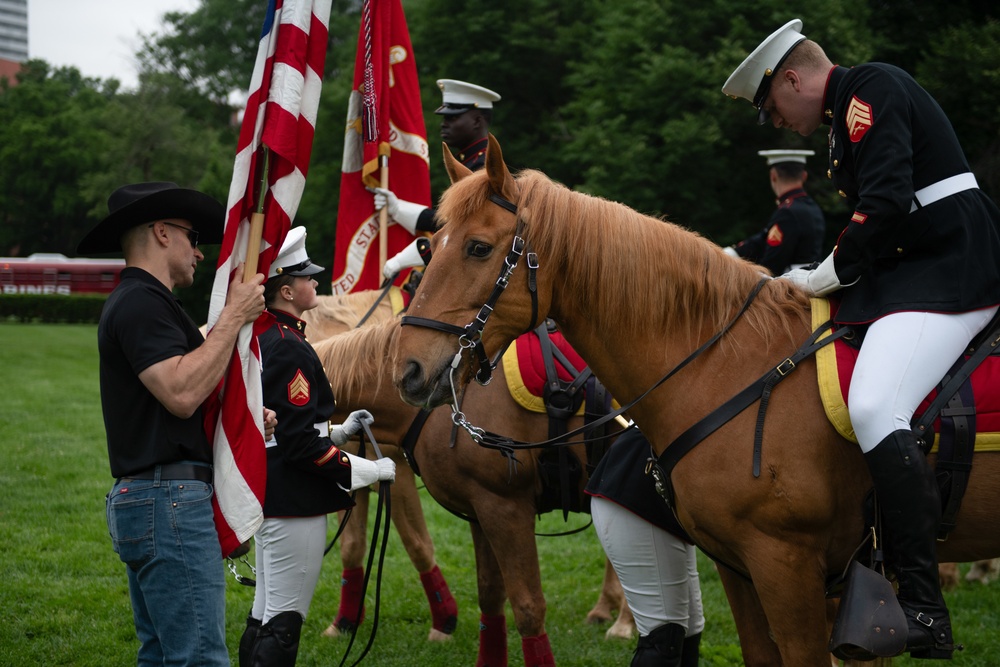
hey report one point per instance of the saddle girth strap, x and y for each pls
(758, 390)
(562, 399)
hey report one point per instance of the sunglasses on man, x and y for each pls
(192, 234)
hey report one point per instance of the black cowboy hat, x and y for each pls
(134, 204)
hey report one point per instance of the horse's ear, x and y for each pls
(501, 182)
(456, 170)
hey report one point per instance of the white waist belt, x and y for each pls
(944, 188)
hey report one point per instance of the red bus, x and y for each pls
(54, 273)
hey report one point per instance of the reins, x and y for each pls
(504, 443)
(383, 500)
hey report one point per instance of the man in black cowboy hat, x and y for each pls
(156, 369)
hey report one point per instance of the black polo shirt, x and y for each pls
(142, 324)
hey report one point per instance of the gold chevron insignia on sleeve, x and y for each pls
(298, 389)
(859, 118)
(774, 236)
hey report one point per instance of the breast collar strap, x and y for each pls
(470, 336)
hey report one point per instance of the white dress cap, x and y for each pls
(785, 155)
(458, 97)
(752, 79)
(292, 259)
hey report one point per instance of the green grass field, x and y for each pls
(64, 598)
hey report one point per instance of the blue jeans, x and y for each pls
(164, 532)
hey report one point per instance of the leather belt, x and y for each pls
(943, 188)
(202, 473)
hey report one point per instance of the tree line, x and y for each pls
(617, 98)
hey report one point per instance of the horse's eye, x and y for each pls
(479, 249)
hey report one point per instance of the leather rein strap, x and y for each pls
(759, 390)
(471, 336)
(504, 443)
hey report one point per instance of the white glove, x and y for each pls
(351, 426)
(731, 251)
(406, 258)
(365, 473)
(816, 282)
(402, 211)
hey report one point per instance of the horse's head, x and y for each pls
(468, 299)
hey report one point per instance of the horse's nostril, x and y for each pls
(413, 378)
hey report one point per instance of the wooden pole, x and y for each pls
(383, 217)
(257, 224)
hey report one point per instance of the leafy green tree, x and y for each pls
(50, 141)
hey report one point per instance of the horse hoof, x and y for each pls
(597, 617)
(438, 636)
(620, 631)
(332, 631)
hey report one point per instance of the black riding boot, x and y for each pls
(278, 642)
(907, 492)
(248, 639)
(660, 648)
(689, 655)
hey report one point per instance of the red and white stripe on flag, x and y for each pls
(281, 116)
(384, 117)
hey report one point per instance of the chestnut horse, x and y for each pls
(335, 315)
(635, 296)
(497, 494)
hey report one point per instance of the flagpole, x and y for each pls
(383, 217)
(257, 223)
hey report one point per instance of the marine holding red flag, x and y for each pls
(384, 119)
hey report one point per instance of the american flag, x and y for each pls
(280, 118)
(384, 118)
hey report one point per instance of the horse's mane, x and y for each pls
(631, 270)
(359, 357)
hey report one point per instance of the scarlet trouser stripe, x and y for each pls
(281, 115)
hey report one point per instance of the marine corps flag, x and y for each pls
(385, 122)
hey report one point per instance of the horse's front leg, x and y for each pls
(759, 649)
(353, 545)
(510, 528)
(492, 597)
(792, 594)
(408, 518)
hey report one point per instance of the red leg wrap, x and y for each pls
(351, 583)
(492, 641)
(444, 609)
(537, 651)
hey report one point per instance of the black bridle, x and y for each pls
(470, 337)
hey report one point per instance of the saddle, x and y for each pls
(968, 421)
(545, 374)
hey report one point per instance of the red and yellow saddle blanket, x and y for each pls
(525, 369)
(835, 364)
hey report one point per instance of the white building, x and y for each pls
(14, 30)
